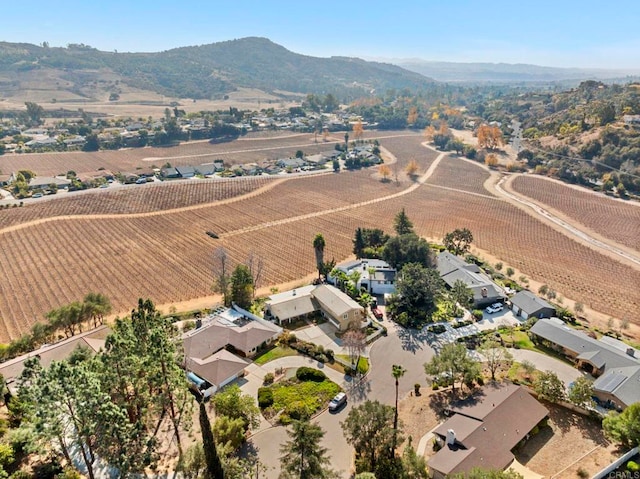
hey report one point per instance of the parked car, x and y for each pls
(338, 401)
(37, 195)
(494, 308)
(377, 313)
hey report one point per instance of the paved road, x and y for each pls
(400, 346)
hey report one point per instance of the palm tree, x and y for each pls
(318, 246)
(397, 372)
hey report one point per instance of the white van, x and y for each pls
(337, 402)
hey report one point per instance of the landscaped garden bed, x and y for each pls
(298, 397)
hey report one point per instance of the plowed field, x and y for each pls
(614, 219)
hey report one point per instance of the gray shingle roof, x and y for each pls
(453, 268)
(587, 348)
(623, 383)
(529, 302)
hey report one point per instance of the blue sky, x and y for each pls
(563, 33)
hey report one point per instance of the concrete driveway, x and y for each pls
(487, 323)
(565, 372)
(323, 335)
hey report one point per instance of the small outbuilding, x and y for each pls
(526, 305)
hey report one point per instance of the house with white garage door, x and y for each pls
(526, 305)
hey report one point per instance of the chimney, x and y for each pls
(451, 437)
(631, 352)
(198, 323)
(293, 293)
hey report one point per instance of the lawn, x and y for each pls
(297, 399)
(520, 339)
(363, 363)
(275, 353)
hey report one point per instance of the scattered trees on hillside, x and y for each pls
(489, 137)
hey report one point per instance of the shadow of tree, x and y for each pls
(440, 402)
(359, 390)
(565, 419)
(528, 451)
(413, 340)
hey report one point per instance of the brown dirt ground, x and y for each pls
(571, 441)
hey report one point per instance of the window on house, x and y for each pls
(345, 316)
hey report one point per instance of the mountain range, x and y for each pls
(207, 71)
(505, 72)
(82, 73)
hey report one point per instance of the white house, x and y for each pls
(375, 276)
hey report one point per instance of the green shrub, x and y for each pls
(477, 313)
(298, 410)
(329, 353)
(310, 374)
(265, 397)
(633, 466)
(268, 379)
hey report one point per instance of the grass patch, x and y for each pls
(363, 363)
(275, 353)
(518, 339)
(300, 399)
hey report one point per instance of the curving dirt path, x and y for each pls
(259, 191)
(316, 214)
(568, 226)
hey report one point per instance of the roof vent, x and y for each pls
(631, 352)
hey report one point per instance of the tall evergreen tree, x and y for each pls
(358, 243)
(242, 286)
(303, 457)
(214, 466)
(318, 248)
(402, 224)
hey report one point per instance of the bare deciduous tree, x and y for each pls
(221, 273)
(255, 264)
(355, 341)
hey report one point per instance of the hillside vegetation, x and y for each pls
(206, 71)
(579, 135)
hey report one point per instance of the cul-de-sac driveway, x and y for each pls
(409, 348)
